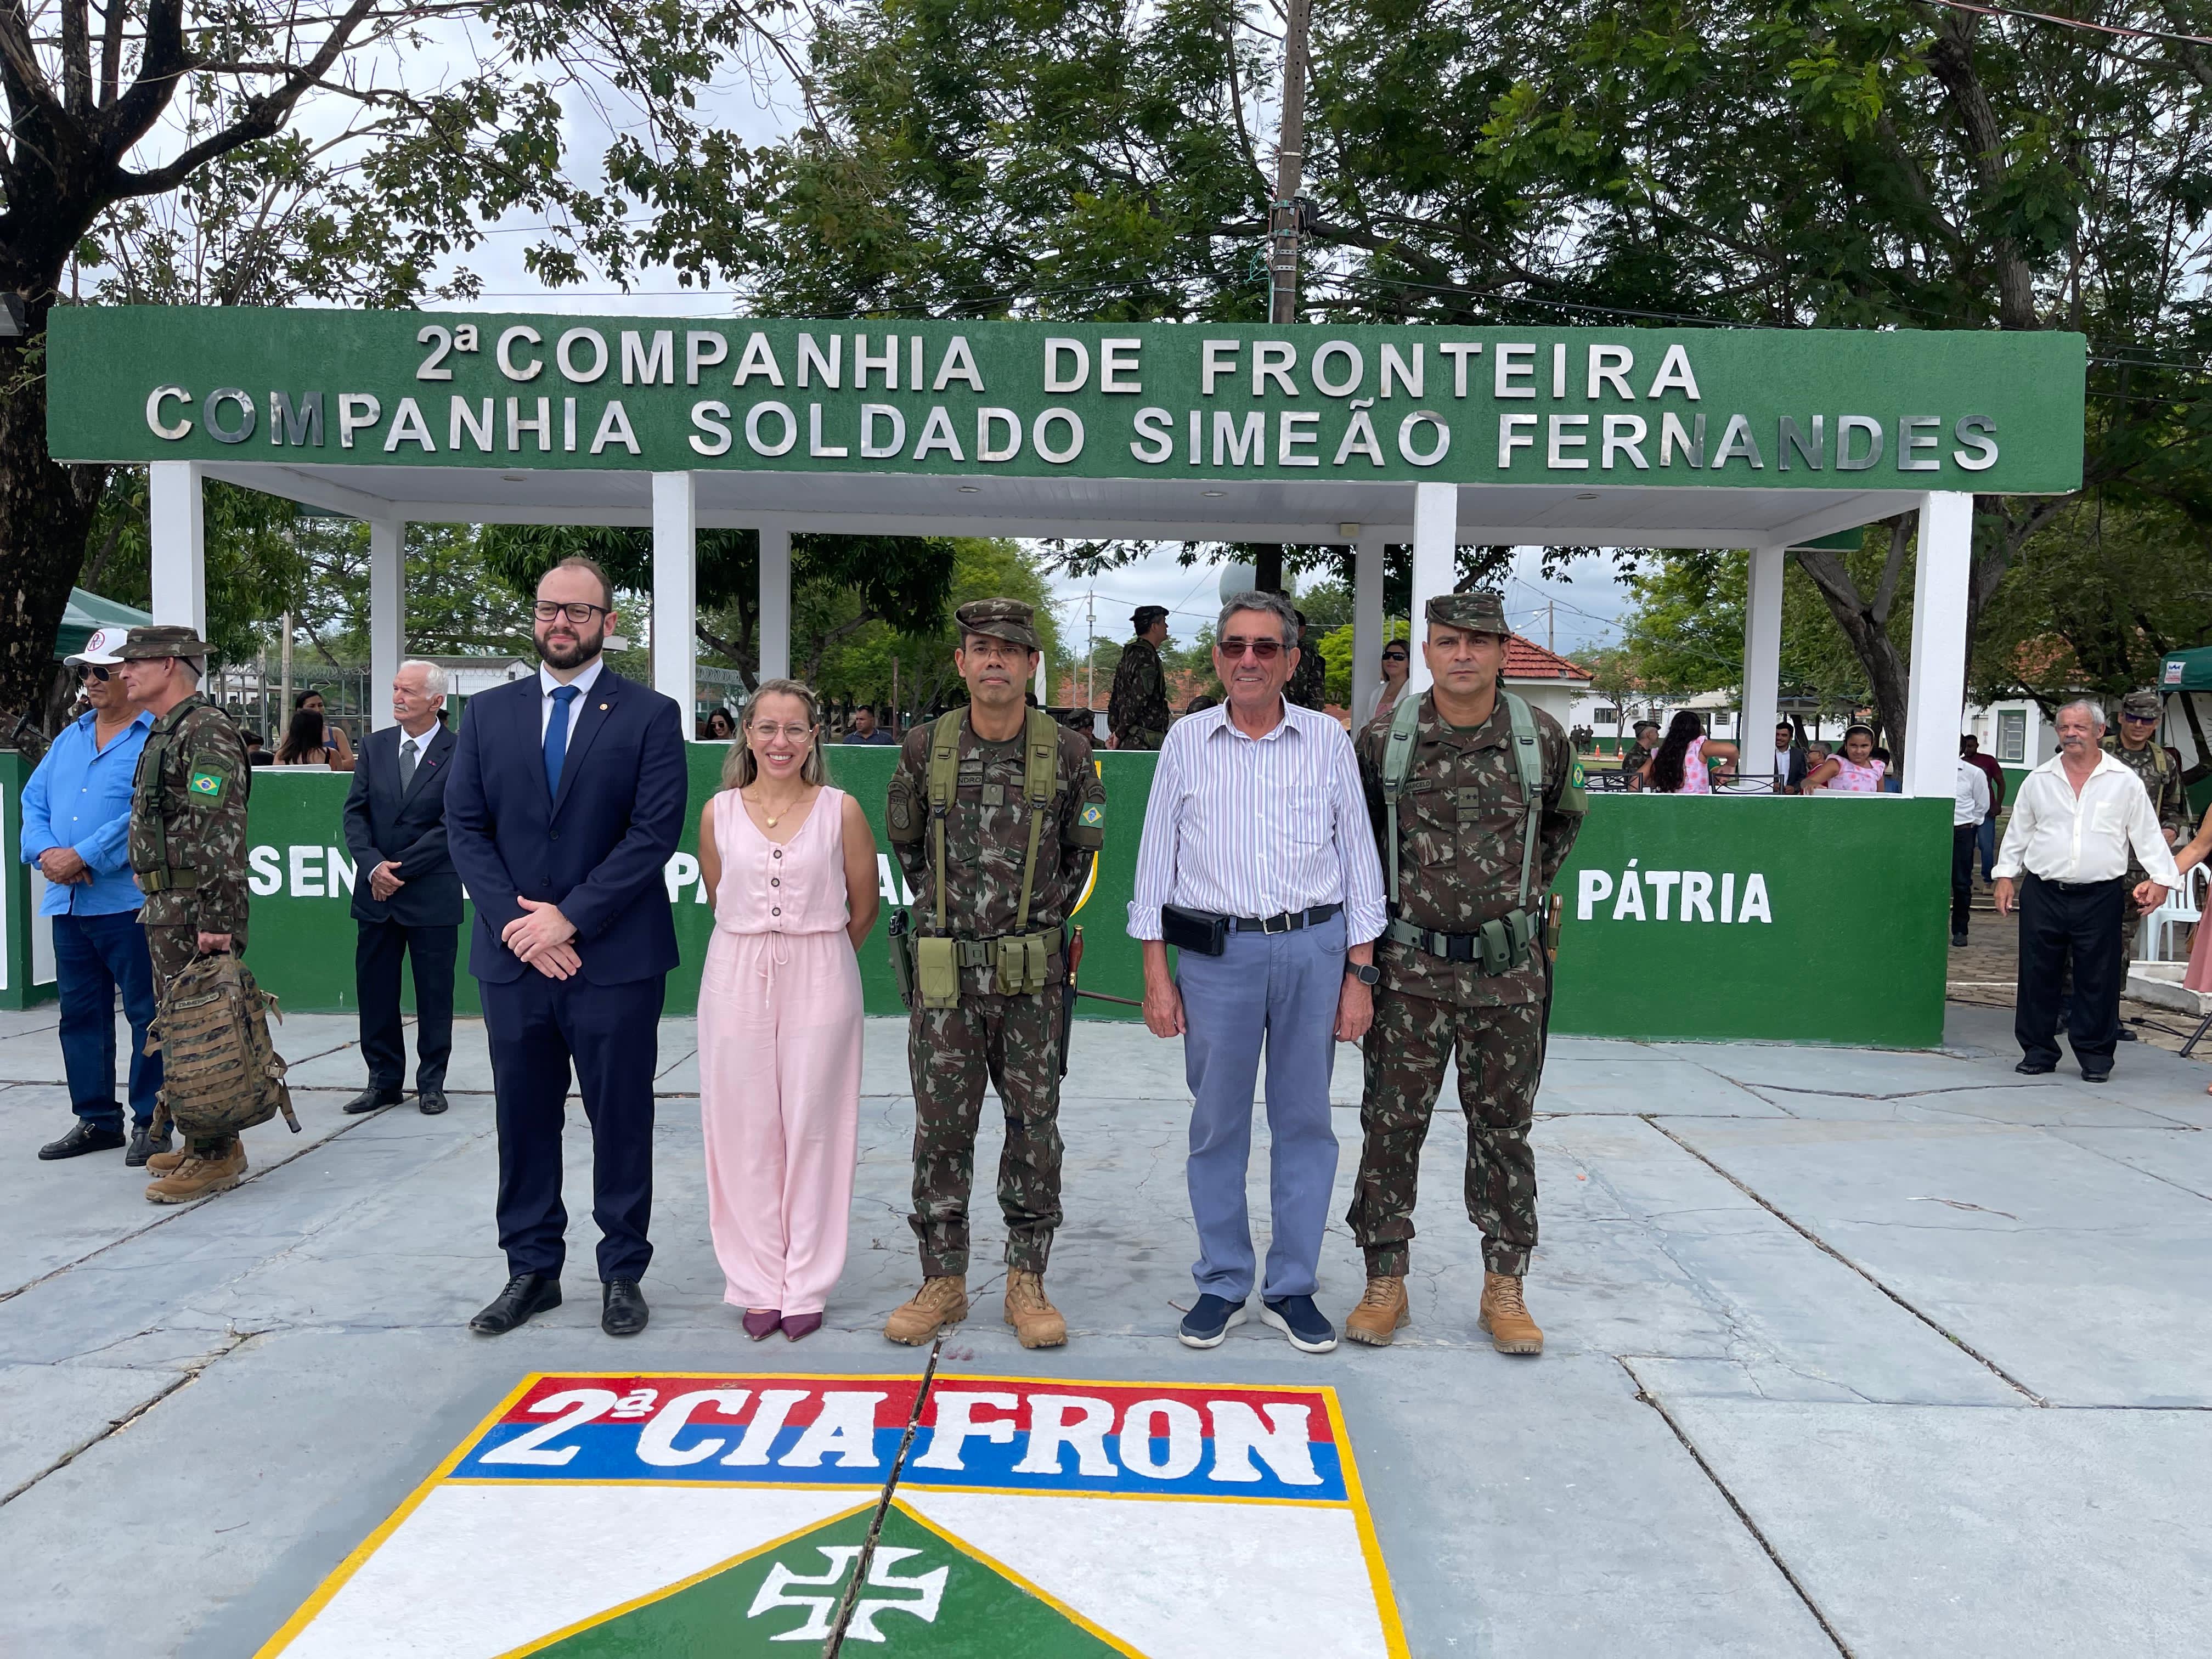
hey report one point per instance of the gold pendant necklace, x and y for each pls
(769, 818)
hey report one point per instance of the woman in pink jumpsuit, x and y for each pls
(790, 864)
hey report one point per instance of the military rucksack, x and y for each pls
(220, 1072)
(1502, 941)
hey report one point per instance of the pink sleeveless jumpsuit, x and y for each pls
(780, 1058)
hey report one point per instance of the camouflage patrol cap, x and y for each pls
(1146, 614)
(2144, 705)
(163, 640)
(1479, 613)
(999, 619)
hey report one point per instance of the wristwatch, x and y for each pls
(1366, 972)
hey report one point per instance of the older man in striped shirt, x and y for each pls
(1256, 841)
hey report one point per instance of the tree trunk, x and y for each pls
(1865, 623)
(46, 515)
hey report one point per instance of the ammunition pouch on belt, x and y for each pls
(937, 972)
(1022, 961)
(1496, 947)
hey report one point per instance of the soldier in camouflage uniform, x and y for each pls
(2136, 746)
(1461, 825)
(1308, 681)
(1007, 1022)
(1137, 713)
(188, 851)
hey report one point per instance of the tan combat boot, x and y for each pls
(161, 1163)
(1505, 1316)
(1030, 1312)
(196, 1176)
(1381, 1312)
(940, 1302)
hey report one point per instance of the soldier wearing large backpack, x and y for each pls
(1476, 799)
(188, 849)
(995, 812)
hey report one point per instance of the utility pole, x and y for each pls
(1282, 227)
(1552, 627)
(1090, 653)
(284, 702)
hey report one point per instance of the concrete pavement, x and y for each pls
(1848, 1351)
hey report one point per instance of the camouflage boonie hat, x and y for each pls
(2141, 704)
(999, 619)
(1482, 613)
(163, 640)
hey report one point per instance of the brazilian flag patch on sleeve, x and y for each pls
(208, 786)
(1093, 816)
(1576, 781)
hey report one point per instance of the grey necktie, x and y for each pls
(406, 764)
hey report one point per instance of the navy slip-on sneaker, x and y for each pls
(1209, 1320)
(1297, 1318)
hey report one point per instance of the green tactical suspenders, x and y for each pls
(1021, 959)
(1498, 944)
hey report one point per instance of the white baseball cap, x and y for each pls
(103, 648)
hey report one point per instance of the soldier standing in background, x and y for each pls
(1488, 800)
(1308, 681)
(995, 812)
(1137, 713)
(188, 852)
(2136, 746)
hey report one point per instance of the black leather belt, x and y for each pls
(1289, 922)
(2078, 886)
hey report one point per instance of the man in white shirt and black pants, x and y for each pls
(1970, 796)
(2074, 818)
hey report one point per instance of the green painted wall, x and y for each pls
(1853, 950)
(16, 888)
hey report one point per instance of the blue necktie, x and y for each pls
(556, 736)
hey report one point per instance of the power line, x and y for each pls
(2076, 23)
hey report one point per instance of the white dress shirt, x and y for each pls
(1254, 827)
(2061, 837)
(546, 683)
(1969, 801)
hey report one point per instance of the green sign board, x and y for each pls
(1736, 408)
(1686, 917)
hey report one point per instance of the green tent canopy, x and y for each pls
(2186, 670)
(88, 611)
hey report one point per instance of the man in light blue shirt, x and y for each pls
(76, 829)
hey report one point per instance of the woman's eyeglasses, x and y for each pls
(789, 733)
(1237, 645)
(1394, 656)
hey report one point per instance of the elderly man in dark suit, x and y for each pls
(406, 896)
(567, 799)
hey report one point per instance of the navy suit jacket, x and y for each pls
(409, 830)
(596, 848)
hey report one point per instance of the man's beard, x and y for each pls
(572, 655)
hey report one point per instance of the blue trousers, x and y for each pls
(1985, 840)
(1278, 991)
(537, 1028)
(95, 957)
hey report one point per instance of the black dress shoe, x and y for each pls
(622, 1311)
(432, 1100)
(2126, 1036)
(525, 1294)
(2089, 1076)
(373, 1099)
(2036, 1068)
(142, 1147)
(1958, 939)
(82, 1138)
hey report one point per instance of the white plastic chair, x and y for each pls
(2183, 907)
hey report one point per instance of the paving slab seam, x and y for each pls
(172, 1211)
(1648, 1398)
(1822, 1244)
(190, 1373)
(846, 1603)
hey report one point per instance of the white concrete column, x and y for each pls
(1436, 562)
(1762, 664)
(1936, 695)
(179, 542)
(775, 602)
(1044, 690)
(675, 590)
(387, 633)
(1367, 621)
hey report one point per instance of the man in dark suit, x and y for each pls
(405, 896)
(567, 799)
(1789, 757)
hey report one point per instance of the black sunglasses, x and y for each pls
(1394, 656)
(92, 671)
(1235, 646)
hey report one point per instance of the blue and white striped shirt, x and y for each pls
(1245, 826)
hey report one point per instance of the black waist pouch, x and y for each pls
(1193, 930)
